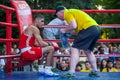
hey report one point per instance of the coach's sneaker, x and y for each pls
(49, 73)
(94, 73)
(41, 69)
(68, 74)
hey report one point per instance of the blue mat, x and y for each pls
(36, 76)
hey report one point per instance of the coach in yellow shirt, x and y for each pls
(87, 31)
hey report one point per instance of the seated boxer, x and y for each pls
(33, 47)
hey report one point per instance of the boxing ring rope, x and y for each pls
(100, 40)
(9, 56)
(82, 55)
(101, 25)
(87, 11)
(8, 24)
(52, 11)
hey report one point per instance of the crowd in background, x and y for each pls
(14, 51)
(104, 63)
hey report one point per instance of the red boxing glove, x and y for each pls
(55, 46)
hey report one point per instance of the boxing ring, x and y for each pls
(36, 76)
(21, 6)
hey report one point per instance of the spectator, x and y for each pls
(103, 64)
(101, 50)
(15, 49)
(78, 67)
(2, 64)
(119, 48)
(110, 67)
(51, 33)
(4, 49)
(87, 67)
(106, 49)
(117, 66)
(98, 63)
(64, 66)
(58, 63)
(114, 51)
(2, 61)
(110, 48)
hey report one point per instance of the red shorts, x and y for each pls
(33, 54)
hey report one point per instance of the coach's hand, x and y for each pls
(63, 30)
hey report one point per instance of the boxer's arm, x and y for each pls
(36, 43)
(38, 38)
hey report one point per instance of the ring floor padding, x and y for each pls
(36, 76)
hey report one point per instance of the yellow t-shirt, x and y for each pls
(85, 70)
(82, 19)
(109, 70)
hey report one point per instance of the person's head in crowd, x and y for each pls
(95, 51)
(110, 64)
(110, 67)
(64, 65)
(87, 65)
(87, 68)
(110, 48)
(114, 49)
(101, 50)
(117, 66)
(15, 45)
(103, 44)
(119, 48)
(78, 67)
(103, 64)
(4, 48)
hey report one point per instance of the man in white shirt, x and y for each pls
(51, 33)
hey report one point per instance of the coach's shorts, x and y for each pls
(34, 53)
(86, 39)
